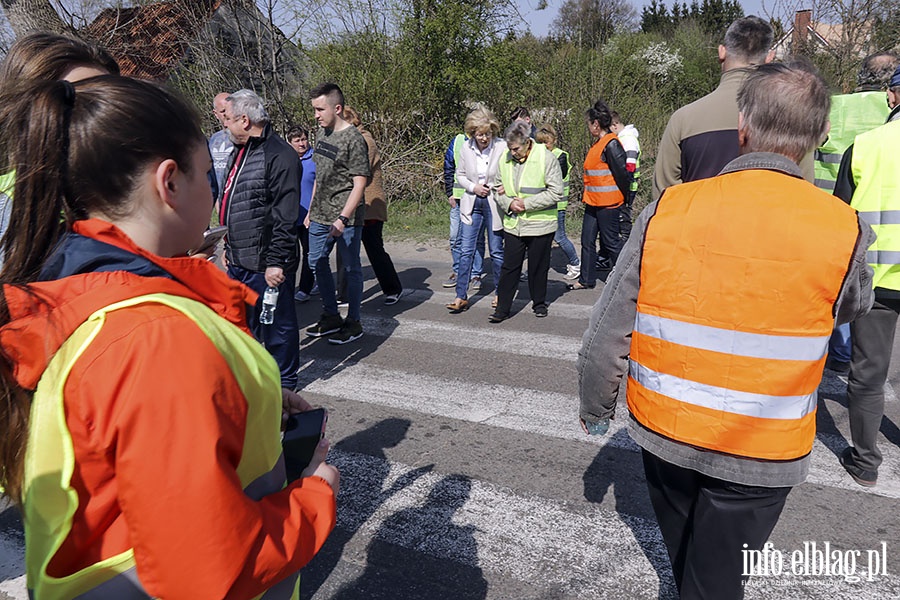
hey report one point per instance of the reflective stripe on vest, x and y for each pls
(531, 183)
(734, 313)
(600, 187)
(562, 204)
(875, 169)
(50, 501)
(458, 141)
(851, 115)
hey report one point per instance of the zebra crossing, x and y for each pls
(465, 473)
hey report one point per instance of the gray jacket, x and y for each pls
(603, 358)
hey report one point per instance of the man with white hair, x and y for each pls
(719, 314)
(259, 203)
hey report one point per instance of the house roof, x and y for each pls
(149, 41)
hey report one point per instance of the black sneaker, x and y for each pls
(327, 325)
(863, 478)
(351, 331)
(540, 311)
(498, 317)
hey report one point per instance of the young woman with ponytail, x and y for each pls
(141, 420)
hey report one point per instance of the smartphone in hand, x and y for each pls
(211, 239)
(302, 434)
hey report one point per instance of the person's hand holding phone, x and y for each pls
(319, 468)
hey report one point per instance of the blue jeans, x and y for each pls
(320, 245)
(562, 240)
(282, 337)
(456, 243)
(481, 220)
(840, 343)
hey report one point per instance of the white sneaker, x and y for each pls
(393, 298)
(572, 272)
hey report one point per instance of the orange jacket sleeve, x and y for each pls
(165, 409)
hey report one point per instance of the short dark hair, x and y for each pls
(519, 112)
(297, 131)
(330, 90)
(876, 70)
(785, 109)
(750, 39)
(601, 113)
(616, 118)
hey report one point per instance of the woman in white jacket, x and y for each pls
(477, 168)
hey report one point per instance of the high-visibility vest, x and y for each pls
(633, 156)
(50, 501)
(851, 115)
(876, 172)
(458, 141)
(531, 183)
(557, 152)
(734, 312)
(600, 187)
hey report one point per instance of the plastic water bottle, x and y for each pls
(597, 428)
(270, 299)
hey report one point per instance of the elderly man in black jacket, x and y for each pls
(260, 202)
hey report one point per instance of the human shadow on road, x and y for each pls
(364, 469)
(421, 553)
(321, 360)
(632, 503)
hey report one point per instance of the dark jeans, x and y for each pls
(872, 336)
(307, 278)
(381, 261)
(514, 250)
(706, 523)
(282, 337)
(605, 222)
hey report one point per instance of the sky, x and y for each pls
(539, 20)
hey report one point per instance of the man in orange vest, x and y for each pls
(720, 315)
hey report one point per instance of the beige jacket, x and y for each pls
(467, 176)
(376, 206)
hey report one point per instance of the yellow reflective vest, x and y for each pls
(875, 169)
(564, 203)
(50, 501)
(851, 115)
(531, 182)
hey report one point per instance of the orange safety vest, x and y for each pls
(600, 187)
(734, 312)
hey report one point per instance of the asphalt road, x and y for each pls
(465, 474)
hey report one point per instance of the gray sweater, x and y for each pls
(603, 358)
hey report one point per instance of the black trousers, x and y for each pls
(307, 278)
(515, 249)
(603, 222)
(381, 262)
(706, 523)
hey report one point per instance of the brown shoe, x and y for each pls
(458, 306)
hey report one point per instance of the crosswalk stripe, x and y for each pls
(516, 408)
(578, 312)
(539, 345)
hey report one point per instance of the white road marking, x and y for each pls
(515, 408)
